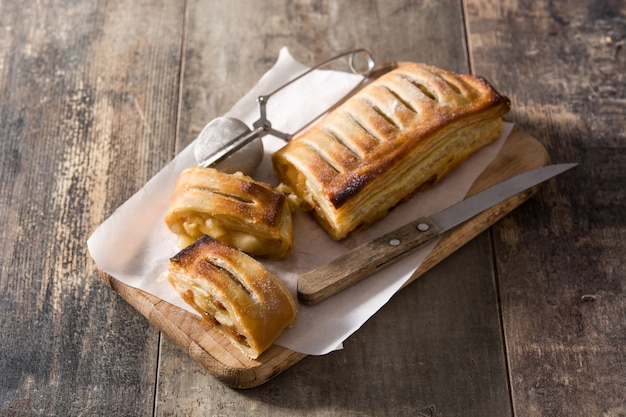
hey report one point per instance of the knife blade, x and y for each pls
(370, 257)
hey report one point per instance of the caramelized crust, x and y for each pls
(407, 129)
(241, 212)
(233, 292)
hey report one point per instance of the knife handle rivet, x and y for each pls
(394, 242)
(422, 227)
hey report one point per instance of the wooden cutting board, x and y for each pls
(520, 153)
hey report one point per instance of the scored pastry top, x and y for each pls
(233, 292)
(234, 208)
(383, 121)
(404, 130)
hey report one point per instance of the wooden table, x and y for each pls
(528, 319)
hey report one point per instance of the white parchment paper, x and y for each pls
(134, 245)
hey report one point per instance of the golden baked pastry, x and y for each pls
(234, 208)
(233, 292)
(405, 130)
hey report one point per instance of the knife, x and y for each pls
(370, 257)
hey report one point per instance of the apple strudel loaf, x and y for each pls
(404, 131)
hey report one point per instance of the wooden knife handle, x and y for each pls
(364, 260)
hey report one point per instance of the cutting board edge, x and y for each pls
(236, 371)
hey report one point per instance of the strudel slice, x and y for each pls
(233, 292)
(404, 131)
(241, 212)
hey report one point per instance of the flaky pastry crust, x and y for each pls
(241, 212)
(404, 131)
(233, 292)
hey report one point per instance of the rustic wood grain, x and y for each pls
(98, 96)
(88, 114)
(560, 259)
(219, 69)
